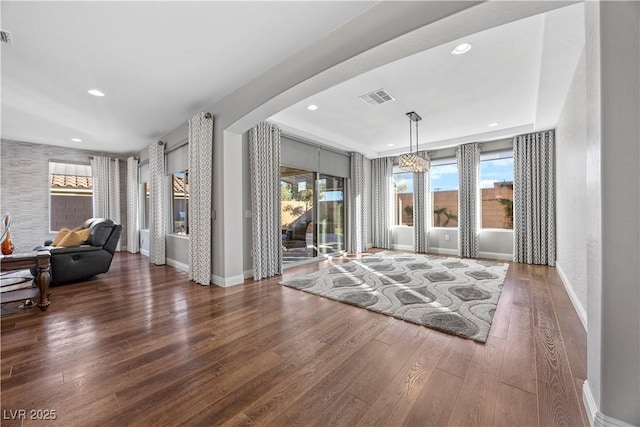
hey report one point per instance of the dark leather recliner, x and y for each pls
(83, 262)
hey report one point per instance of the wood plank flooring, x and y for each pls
(142, 345)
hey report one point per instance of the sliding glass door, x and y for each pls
(312, 212)
(330, 214)
(297, 201)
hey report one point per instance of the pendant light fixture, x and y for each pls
(412, 162)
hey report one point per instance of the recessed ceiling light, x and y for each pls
(95, 92)
(390, 145)
(493, 124)
(76, 139)
(461, 48)
(312, 107)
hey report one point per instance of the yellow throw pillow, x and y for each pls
(74, 238)
(63, 232)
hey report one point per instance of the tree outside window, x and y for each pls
(444, 193)
(496, 190)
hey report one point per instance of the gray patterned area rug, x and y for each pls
(453, 295)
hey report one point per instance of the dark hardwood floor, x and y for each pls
(142, 345)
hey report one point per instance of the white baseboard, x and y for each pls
(589, 402)
(443, 251)
(495, 255)
(225, 282)
(369, 246)
(144, 252)
(597, 418)
(577, 305)
(402, 247)
(247, 274)
(177, 264)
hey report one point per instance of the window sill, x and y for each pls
(178, 236)
(445, 228)
(497, 230)
(402, 226)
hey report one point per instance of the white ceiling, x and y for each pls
(157, 62)
(161, 62)
(517, 75)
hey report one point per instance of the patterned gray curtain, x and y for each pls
(381, 174)
(422, 207)
(264, 163)
(468, 156)
(534, 216)
(357, 205)
(133, 224)
(200, 175)
(106, 188)
(157, 192)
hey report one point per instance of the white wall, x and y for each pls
(368, 226)
(402, 238)
(144, 242)
(492, 243)
(439, 243)
(571, 190)
(177, 251)
(247, 265)
(612, 390)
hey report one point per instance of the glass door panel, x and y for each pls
(330, 214)
(297, 214)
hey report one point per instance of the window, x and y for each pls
(403, 197)
(180, 202)
(71, 194)
(330, 214)
(444, 192)
(298, 209)
(496, 189)
(146, 194)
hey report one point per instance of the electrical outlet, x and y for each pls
(446, 237)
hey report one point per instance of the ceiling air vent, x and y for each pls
(377, 97)
(5, 37)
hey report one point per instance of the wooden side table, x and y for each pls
(21, 261)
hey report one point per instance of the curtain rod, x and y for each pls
(112, 158)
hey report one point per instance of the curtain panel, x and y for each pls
(157, 191)
(357, 205)
(264, 169)
(133, 220)
(381, 174)
(422, 207)
(200, 154)
(534, 228)
(468, 157)
(106, 188)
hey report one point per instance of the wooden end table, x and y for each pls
(21, 261)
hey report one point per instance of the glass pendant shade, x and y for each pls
(412, 162)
